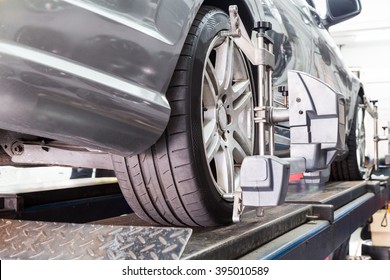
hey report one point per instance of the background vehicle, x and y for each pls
(152, 86)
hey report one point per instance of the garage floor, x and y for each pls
(356, 241)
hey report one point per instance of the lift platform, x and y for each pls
(314, 221)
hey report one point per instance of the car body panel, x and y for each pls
(297, 30)
(291, 34)
(100, 67)
(327, 55)
(74, 108)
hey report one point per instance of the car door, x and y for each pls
(291, 32)
(292, 36)
(329, 66)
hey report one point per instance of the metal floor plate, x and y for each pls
(44, 240)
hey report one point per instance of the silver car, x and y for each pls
(150, 89)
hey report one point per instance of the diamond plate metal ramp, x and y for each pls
(44, 240)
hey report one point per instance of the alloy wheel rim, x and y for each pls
(227, 114)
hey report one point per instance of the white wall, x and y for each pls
(365, 44)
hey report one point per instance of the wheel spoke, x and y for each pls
(210, 96)
(224, 63)
(213, 147)
(225, 170)
(243, 143)
(243, 103)
(239, 88)
(209, 131)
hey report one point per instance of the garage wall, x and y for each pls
(365, 44)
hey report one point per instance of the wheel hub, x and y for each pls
(222, 118)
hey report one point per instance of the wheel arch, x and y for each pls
(247, 13)
(361, 92)
(250, 12)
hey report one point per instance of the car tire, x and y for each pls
(352, 168)
(189, 176)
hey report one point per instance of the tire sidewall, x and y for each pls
(213, 22)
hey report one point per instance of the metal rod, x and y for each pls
(376, 140)
(388, 139)
(369, 108)
(279, 115)
(261, 96)
(271, 104)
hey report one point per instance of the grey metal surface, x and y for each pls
(46, 155)
(287, 225)
(318, 239)
(77, 103)
(388, 143)
(387, 156)
(322, 212)
(234, 241)
(43, 240)
(288, 241)
(317, 120)
(264, 180)
(354, 203)
(74, 201)
(9, 205)
(257, 55)
(297, 165)
(72, 69)
(336, 194)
